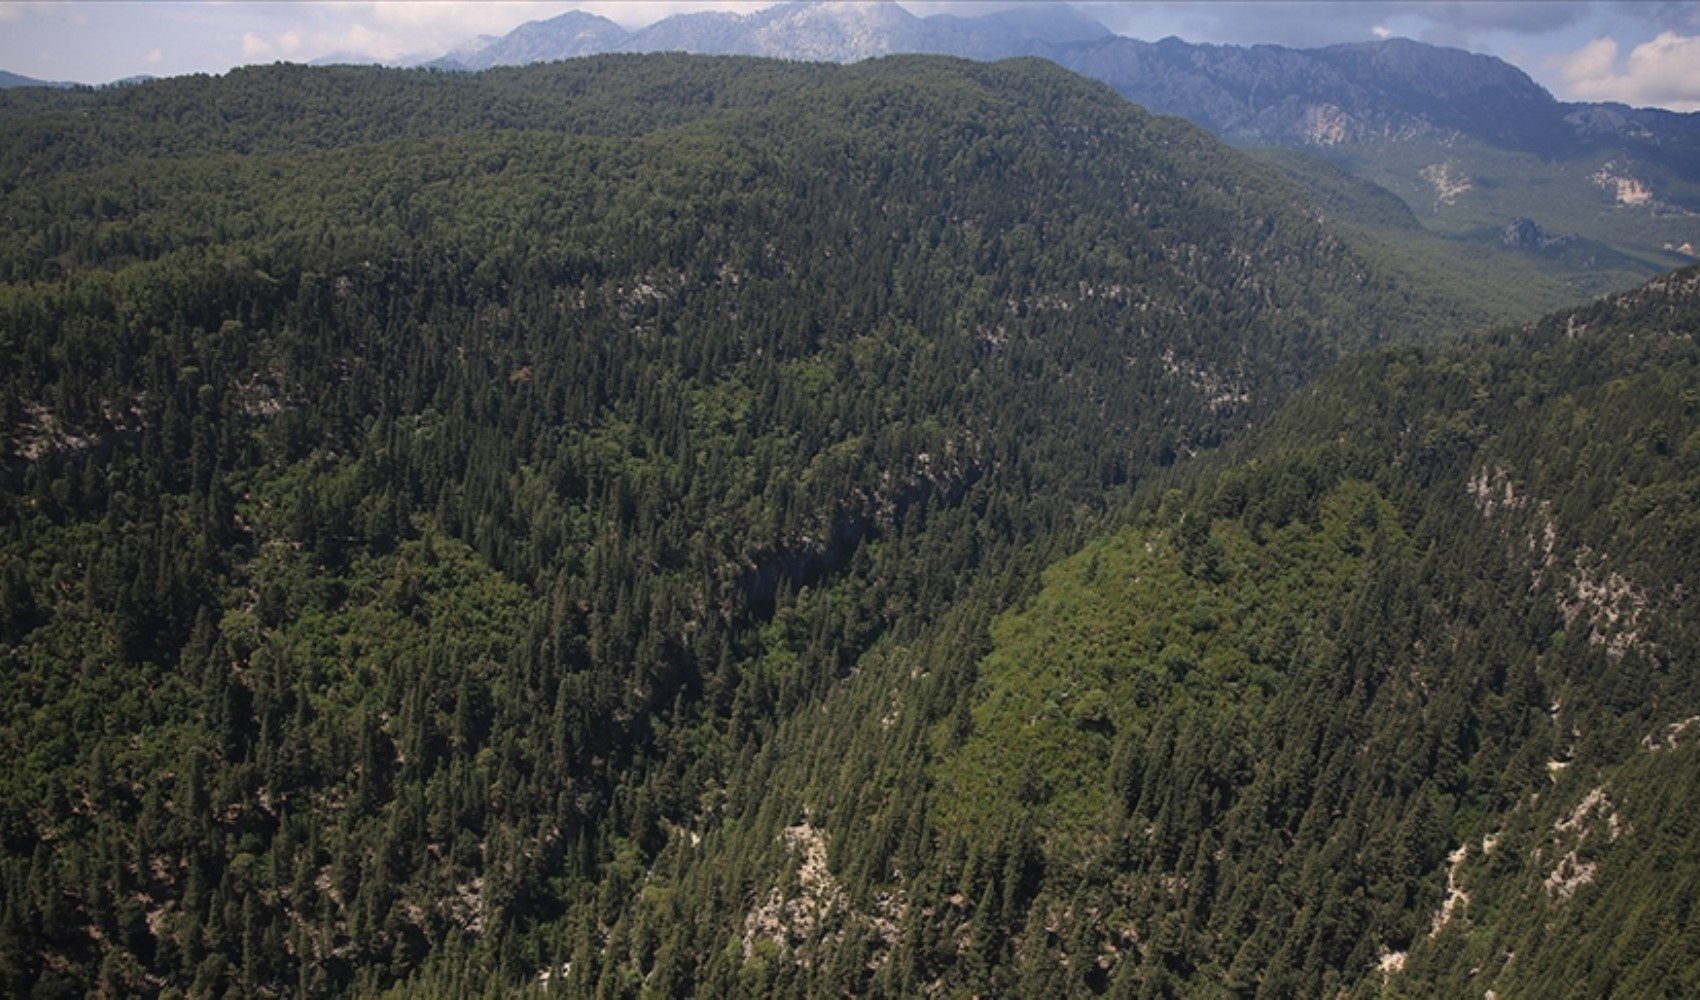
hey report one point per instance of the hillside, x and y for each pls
(1393, 696)
(427, 495)
(1468, 141)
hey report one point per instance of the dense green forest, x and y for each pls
(1392, 696)
(585, 527)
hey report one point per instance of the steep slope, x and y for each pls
(426, 493)
(1395, 696)
(1519, 271)
(1391, 91)
(1345, 93)
(1430, 634)
(1469, 142)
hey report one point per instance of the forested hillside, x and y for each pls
(586, 528)
(1393, 696)
(436, 506)
(1603, 194)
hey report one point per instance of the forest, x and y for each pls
(661, 525)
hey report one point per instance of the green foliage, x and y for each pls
(1236, 746)
(1137, 633)
(588, 519)
(429, 498)
(1616, 243)
(1488, 282)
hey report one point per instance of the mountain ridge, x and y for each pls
(1468, 141)
(1062, 34)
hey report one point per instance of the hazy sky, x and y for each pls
(1638, 52)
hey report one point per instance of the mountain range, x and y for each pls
(1350, 93)
(834, 31)
(1468, 141)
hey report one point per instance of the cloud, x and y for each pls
(155, 57)
(1325, 22)
(1381, 31)
(384, 30)
(1680, 16)
(361, 39)
(638, 15)
(1591, 63)
(409, 17)
(1664, 72)
(1517, 17)
(17, 10)
(284, 45)
(394, 30)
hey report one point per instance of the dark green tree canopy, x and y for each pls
(551, 526)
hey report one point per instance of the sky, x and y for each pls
(1640, 52)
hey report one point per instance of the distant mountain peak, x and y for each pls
(574, 33)
(819, 30)
(836, 30)
(1390, 90)
(826, 31)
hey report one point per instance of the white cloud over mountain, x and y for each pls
(1663, 72)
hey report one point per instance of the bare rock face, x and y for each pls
(1527, 234)
(1522, 232)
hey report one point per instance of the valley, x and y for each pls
(658, 525)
